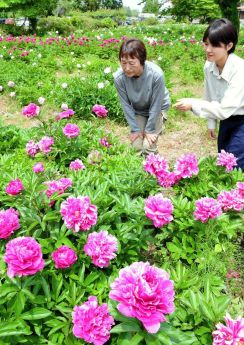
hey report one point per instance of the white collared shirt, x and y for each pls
(224, 93)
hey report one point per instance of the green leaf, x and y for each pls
(19, 303)
(36, 314)
(152, 340)
(129, 326)
(136, 339)
(15, 327)
(90, 278)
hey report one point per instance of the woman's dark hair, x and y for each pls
(221, 31)
(133, 48)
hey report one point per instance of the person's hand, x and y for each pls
(151, 138)
(134, 136)
(183, 104)
(212, 134)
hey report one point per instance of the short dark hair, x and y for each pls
(221, 31)
(133, 48)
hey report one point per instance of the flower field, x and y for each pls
(99, 245)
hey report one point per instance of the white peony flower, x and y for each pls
(64, 85)
(64, 106)
(11, 83)
(107, 70)
(12, 94)
(41, 100)
(101, 85)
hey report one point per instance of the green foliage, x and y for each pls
(229, 10)
(192, 9)
(62, 25)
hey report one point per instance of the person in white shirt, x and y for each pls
(224, 89)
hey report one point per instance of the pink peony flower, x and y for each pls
(104, 142)
(14, 187)
(65, 114)
(100, 110)
(31, 110)
(231, 200)
(9, 222)
(71, 130)
(155, 163)
(38, 167)
(58, 186)
(64, 257)
(101, 247)
(159, 210)
(144, 292)
(94, 157)
(45, 144)
(32, 148)
(64, 106)
(166, 178)
(77, 165)
(231, 334)
(78, 213)
(23, 256)
(240, 188)
(92, 322)
(227, 160)
(207, 208)
(186, 166)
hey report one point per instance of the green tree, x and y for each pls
(183, 9)
(205, 10)
(151, 6)
(32, 9)
(111, 4)
(229, 10)
(88, 5)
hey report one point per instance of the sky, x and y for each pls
(132, 4)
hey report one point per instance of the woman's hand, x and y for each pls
(183, 104)
(151, 138)
(212, 134)
(134, 136)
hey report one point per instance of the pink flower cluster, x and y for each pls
(231, 200)
(92, 322)
(57, 186)
(71, 130)
(100, 110)
(65, 114)
(230, 334)
(23, 256)
(9, 222)
(159, 210)
(77, 165)
(38, 168)
(44, 146)
(64, 257)
(78, 213)
(227, 160)
(101, 247)
(186, 166)
(240, 188)
(31, 110)
(144, 292)
(207, 208)
(104, 142)
(14, 187)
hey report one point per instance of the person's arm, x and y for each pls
(232, 101)
(207, 97)
(158, 94)
(128, 110)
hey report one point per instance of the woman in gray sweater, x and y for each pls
(143, 95)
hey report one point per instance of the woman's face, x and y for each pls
(131, 66)
(219, 54)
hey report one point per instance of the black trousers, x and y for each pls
(231, 137)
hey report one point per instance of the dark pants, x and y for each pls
(231, 138)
